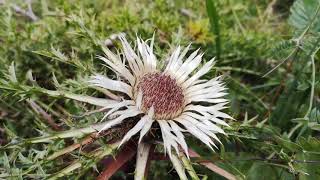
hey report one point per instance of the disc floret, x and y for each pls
(163, 93)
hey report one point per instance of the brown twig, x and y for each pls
(89, 139)
(113, 165)
(113, 135)
(213, 167)
(44, 114)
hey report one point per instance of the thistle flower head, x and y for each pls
(173, 96)
(161, 92)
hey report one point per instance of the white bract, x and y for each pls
(173, 96)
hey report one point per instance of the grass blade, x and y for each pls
(214, 21)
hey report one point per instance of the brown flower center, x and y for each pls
(163, 93)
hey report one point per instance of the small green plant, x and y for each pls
(50, 123)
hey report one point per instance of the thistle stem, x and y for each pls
(142, 160)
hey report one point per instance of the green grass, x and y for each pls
(276, 132)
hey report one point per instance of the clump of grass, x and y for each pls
(277, 128)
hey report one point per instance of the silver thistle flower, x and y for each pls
(144, 94)
(174, 97)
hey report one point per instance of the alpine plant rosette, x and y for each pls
(173, 96)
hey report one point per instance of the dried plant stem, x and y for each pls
(78, 164)
(44, 114)
(178, 166)
(187, 164)
(313, 82)
(127, 153)
(27, 13)
(69, 133)
(89, 139)
(142, 160)
(313, 79)
(213, 167)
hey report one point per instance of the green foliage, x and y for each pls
(305, 14)
(214, 20)
(276, 132)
